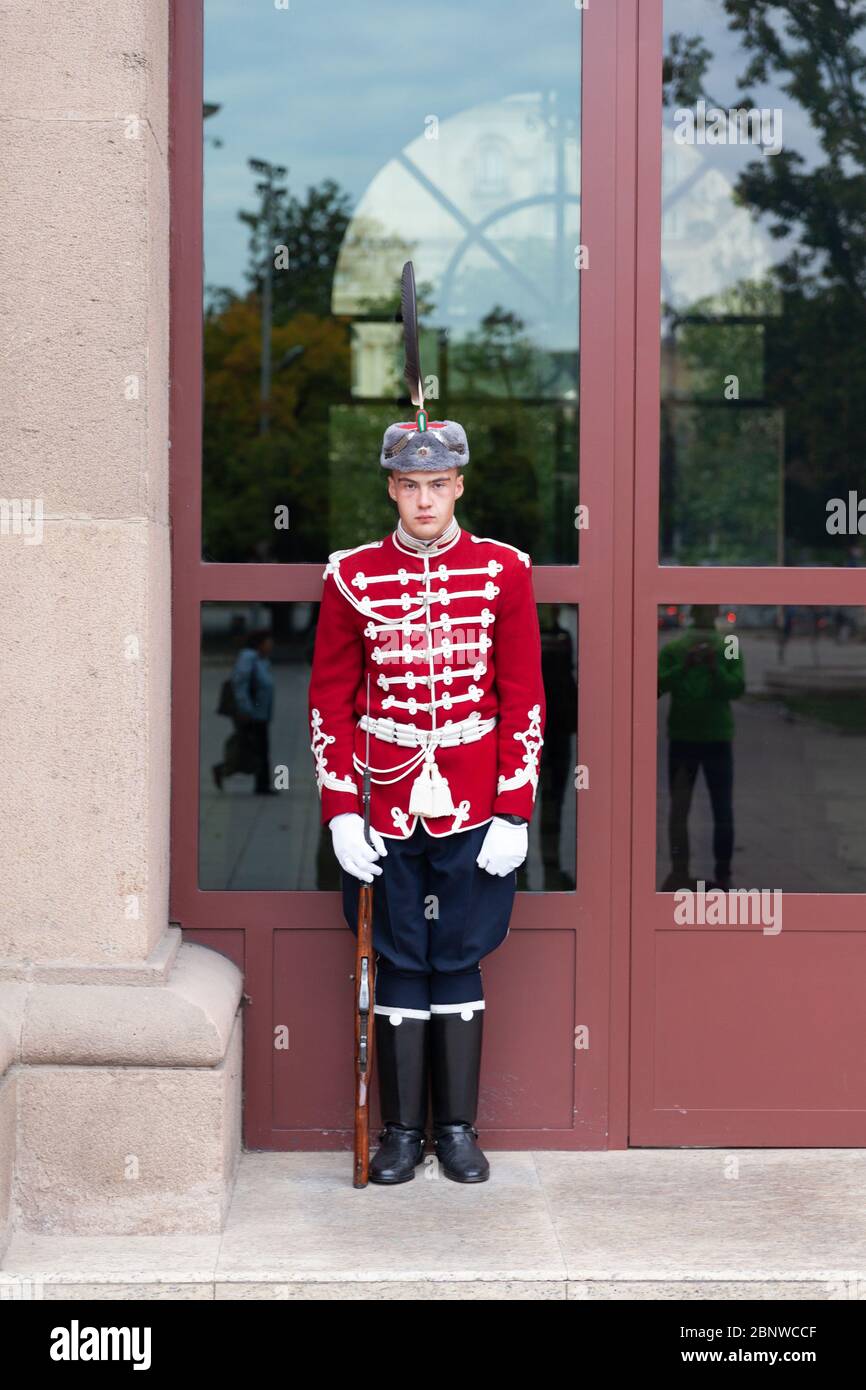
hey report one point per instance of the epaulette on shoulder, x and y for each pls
(521, 554)
(336, 556)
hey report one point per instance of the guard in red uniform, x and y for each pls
(445, 623)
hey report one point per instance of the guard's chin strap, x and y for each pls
(428, 546)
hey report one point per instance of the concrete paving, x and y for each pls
(672, 1224)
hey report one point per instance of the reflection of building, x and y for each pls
(488, 210)
(375, 354)
(710, 243)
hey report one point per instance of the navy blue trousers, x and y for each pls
(435, 916)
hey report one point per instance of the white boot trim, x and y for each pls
(457, 1008)
(398, 1013)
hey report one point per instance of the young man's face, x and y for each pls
(426, 501)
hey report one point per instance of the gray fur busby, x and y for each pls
(443, 444)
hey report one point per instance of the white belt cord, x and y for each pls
(447, 736)
(425, 741)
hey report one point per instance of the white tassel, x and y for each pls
(442, 803)
(422, 793)
(431, 795)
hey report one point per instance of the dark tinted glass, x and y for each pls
(762, 748)
(259, 810)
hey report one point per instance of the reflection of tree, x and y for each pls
(312, 230)
(498, 360)
(711, 512)
(722, 512)
(815, 352)
(518, 454)
(247, 476)
(318, 455)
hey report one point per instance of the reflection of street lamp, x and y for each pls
(271, 194)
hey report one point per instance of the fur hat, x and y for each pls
(411, 450)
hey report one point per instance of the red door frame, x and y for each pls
(243, 924)
(653, 1123)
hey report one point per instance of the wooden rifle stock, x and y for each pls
(364, 1032)
(365, 980)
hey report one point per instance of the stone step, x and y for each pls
(636, 1224)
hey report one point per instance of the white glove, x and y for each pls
(352, 850)
(505, 847)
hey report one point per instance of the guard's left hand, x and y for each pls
(505, 847)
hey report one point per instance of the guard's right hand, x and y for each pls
(352, 850)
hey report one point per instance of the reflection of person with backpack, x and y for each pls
(247, 698)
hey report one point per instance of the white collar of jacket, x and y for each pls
(411, 544)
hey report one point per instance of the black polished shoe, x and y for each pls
(459, 1154)
(455, 1059)
(402, 1065)
(398, 1155)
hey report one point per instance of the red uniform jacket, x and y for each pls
(451, 644)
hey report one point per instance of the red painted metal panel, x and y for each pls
(757, 1039)
(620, 546)
(185, 431)
(311, 996)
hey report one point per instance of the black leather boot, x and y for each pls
(402, 1063)
(455, 1058)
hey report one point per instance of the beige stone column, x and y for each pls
(119, 1046)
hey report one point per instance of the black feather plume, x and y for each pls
(409, 309)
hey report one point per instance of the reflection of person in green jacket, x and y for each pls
(702, 680)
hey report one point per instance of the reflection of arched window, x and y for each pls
(490, 214)
(492, 163)
(709, 242)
